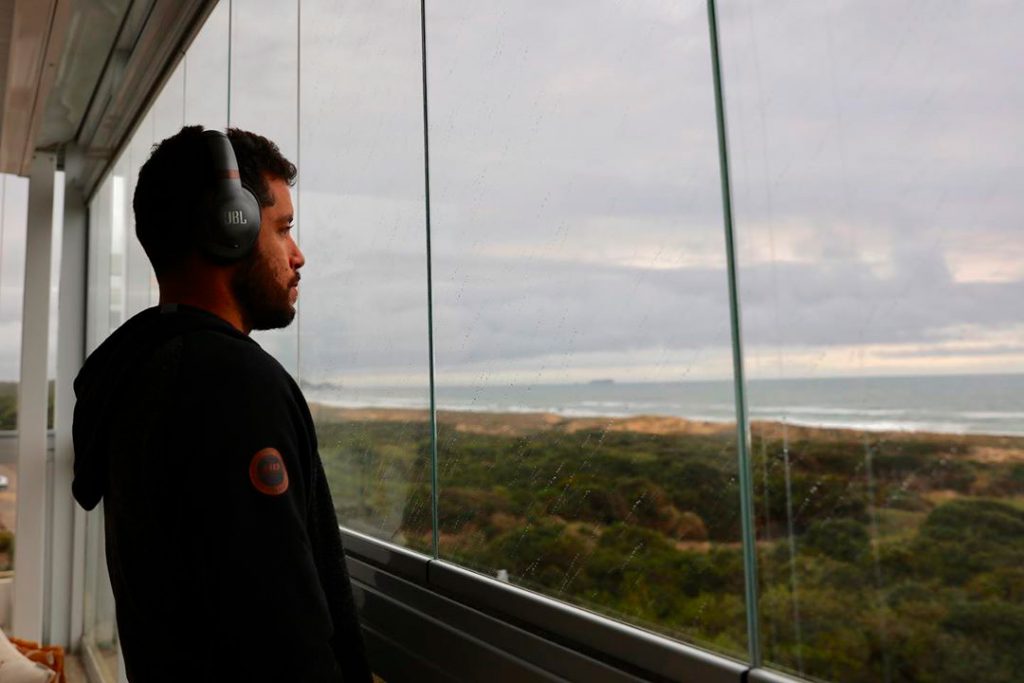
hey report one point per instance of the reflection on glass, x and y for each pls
(586, 432)
(264, 99)
(877, 205)
(106, 291)
(107, 211)
(100, 623)
(139, 274)
(363, 338)
(57, 236)
(97, 328)
(118, 242)
(100, 220)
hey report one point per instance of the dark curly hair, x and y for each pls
(175, 188)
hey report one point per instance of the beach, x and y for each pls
(980, 447)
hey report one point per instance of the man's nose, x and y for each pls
(298, 258)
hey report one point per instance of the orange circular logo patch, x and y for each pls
(267, 472)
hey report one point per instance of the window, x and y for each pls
(205, 71)
(107, 238)
(13, 205)
(586, 433)
(263, 97)
(13, 215)
(363, 309)
(584, 443)
(877, 212)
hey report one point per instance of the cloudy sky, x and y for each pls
(575, 194)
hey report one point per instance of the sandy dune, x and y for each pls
(983, 448)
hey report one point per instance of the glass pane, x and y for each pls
(586, 433)
(165, 118)
(107, 235)
(100, 221)
(363, 339)
(13, 221)
(98, 596)
(167, 115)
(264, 100)
(206, 72)
(877, 182)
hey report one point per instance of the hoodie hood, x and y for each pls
(109, 372)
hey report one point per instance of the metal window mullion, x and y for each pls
(430, 286)
(742, 420)
(298, 163)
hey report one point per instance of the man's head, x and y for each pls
(174, 204)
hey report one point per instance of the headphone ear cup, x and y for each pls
(234, 211)
(235, 225)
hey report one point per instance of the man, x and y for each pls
(221, 538)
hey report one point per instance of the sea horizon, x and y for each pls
(954, 404)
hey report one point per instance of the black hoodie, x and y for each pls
(221, 538)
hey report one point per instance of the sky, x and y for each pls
(576, 209)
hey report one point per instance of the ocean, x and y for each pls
(960, 404)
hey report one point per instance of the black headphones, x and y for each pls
(235, 212)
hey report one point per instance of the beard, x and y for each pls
(265, 304)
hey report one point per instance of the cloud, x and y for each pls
(575, 191)
(576, 214)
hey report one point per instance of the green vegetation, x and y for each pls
(6, 549)
(9, 405)
(905, 563)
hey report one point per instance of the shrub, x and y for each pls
(841, 539)
(458, 507)
(965, 537)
